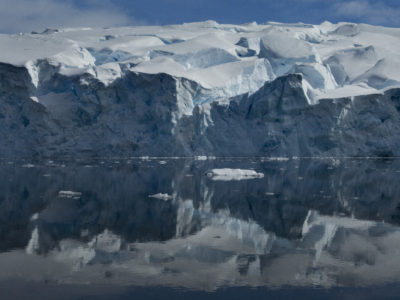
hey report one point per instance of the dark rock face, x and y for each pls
(155, 115)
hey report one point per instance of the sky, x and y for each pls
(37, 15)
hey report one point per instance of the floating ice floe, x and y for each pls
(28, 166)
(161, 196)
(200, 157)
(69, 194)
(227, 174)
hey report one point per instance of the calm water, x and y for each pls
(114, 229)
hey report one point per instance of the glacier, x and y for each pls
(202, 89)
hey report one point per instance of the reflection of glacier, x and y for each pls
(306, 222)
(226, 251)
(249, 233)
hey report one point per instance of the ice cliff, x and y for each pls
(202, 89)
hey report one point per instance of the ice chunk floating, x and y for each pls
(162, 196)
(69, 194)
(233, 174)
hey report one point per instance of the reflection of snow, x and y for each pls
(28, 166)
(249, 234)
(33, 244)
(106, 241)
(228, 251)
(34, 217)
(97, 250)
(74, 254)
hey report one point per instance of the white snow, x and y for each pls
(227, 174)
(230, 59)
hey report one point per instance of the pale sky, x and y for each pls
(28, 15)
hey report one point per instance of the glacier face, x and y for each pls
(202, 89)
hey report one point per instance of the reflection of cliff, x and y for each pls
(332, 251)
(114, 196)
(300, 224)
(279, 203)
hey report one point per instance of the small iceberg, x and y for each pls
(28, 166)
(69, 194)
(161, 196)
(201, 157)
(233, 174)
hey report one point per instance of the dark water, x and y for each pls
(309, 228)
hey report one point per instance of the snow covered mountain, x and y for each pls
(202, 89)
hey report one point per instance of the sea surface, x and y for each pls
(165, 228)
